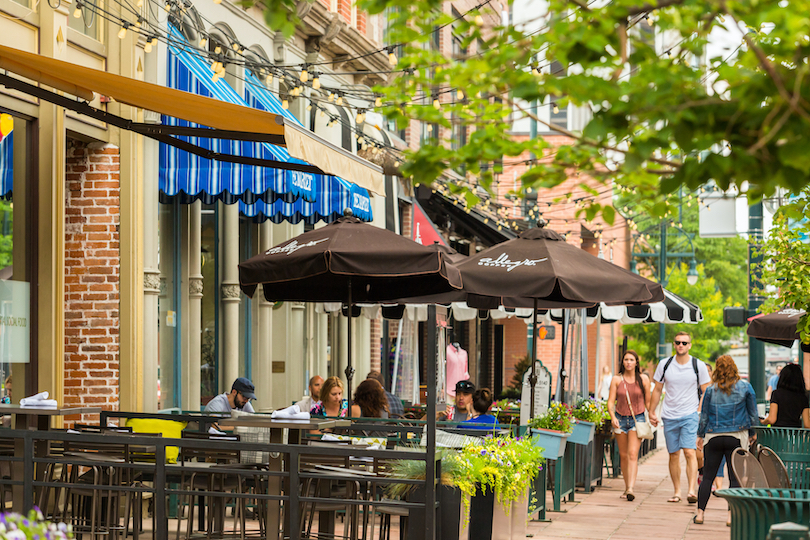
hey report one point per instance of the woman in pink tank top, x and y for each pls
(629, 398)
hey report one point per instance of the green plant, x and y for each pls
(506, 465)
(558, 417)
(590, 410)
(15, 526)
(521, 368)
(407, 469)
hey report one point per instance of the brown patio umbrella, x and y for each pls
(778, 328)
(348, 261)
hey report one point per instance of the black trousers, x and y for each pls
(713, 453)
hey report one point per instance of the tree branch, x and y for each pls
(646, 8)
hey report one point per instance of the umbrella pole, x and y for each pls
(533, 376)
(562, 374)
(349, 368)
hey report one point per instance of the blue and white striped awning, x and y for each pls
(7, 166)
(334, 194)
(192, 177)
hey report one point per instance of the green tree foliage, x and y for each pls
(707, 337)
(786, 267)
(6, 227)
(660, 121)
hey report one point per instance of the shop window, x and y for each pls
(169, 365)
(209, 309)
(17, 329)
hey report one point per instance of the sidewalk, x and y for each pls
(602, 515)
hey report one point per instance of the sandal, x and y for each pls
(674, 499)
(630, 495)
(696, 521)
(691, 499)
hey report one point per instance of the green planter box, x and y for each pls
(754, 511)
(552, 442)
(583, 432)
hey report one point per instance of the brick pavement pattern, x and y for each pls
(602, 515)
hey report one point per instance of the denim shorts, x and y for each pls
(681, 433)
(626, 423)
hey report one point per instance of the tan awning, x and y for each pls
(83, 82)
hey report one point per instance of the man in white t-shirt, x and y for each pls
(685, 378)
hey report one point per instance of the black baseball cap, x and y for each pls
(244, 387)
(466, 387)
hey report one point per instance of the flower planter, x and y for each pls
(583, 432)
(552, 442)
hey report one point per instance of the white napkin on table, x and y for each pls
(39, 401)
(290, 413)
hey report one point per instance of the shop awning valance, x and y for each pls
(224, 120)
(330, 204)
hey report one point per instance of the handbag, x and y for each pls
(643, 430)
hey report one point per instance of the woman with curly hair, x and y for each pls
(369, 400)
(727, 416)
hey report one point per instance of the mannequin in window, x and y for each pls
(456, 367)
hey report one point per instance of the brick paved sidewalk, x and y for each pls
(602, 515)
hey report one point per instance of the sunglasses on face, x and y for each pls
(681, 342)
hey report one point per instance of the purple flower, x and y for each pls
(483, 452)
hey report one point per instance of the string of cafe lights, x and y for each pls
(336, 96)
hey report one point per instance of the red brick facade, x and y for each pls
(92, 259)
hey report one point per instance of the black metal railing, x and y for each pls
(36, 454)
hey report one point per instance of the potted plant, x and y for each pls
(494, 477)
(551, 430)
(588, 413)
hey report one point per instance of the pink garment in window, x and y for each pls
(456, 368)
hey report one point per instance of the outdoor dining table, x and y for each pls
(34, 418)
(295, 435)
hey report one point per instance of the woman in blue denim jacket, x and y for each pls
(727, 414)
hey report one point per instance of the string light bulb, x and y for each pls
(309, 107)
(148, 47)
(285, 104)
(555, 108)
(316, 82)
(304, 76)
(361, 116)
(139, 3)
(138, 21)
(479, 21)
(378, 102)
(331, 97)
(459, 94)
(167, 7)
(339, 100)
(269, 79)
(154, 41)
(203, 42)
(122, 33)
(77, 13)
(436, 103)
(217, 50)
(392, 58)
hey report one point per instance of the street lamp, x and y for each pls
(662, 255)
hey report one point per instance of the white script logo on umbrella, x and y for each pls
(503, 261)
(293, 246)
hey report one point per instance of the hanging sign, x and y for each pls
(542, 392)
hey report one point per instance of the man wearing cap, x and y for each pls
(239, 398)
(463, 408)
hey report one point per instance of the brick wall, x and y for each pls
(92, 260)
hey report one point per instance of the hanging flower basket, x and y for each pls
(552, 442)
(583, 432)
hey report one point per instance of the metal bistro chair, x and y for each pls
(747, 469)
(198, 472)
(775, 470)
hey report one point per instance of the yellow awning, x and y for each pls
(83, 82)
